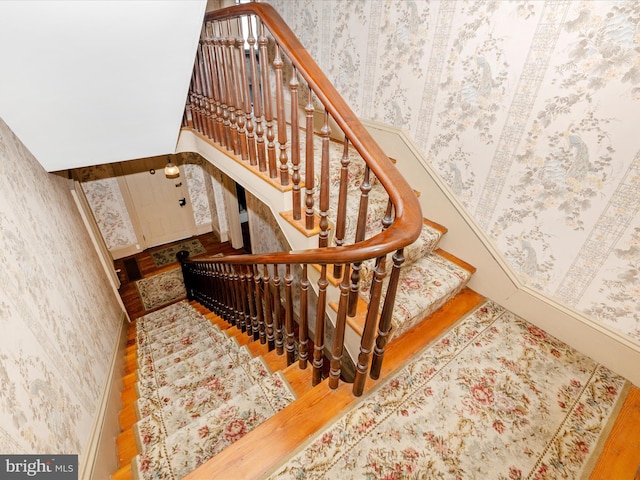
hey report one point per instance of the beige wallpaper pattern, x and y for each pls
(527, 109)
(100, 184)
(58, 313)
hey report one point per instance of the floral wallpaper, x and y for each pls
(59, 315)
(101, 188)
(526, 109)
(266, 235)
(196, 182)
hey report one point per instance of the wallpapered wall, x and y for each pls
(528, 111)
(103, 193)
(58, 313)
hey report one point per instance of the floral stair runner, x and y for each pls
(428, 277)
(198, 392)
(495, 397)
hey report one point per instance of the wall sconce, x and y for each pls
(171, 170)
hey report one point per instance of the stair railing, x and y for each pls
(238, 102)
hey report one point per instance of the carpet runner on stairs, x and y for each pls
(198, 392)
(494, 398)
(429, 277)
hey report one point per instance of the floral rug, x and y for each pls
(168, 255)
(161, 289)
(494, 398)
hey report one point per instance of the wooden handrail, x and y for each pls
(408, 217)
(251, 290)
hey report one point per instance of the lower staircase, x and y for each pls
(196, 384)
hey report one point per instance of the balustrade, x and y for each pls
(238, 100)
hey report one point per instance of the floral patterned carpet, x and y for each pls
(168, 255)
(161, 289)
(198, 392)
(494, 398)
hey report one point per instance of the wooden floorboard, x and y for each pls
(620, 457)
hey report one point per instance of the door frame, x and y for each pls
(142, 242)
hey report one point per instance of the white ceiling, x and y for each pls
(91, 82)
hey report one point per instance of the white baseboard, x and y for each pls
(494, 278)
(100, 458)
(204, 228)
(127, 251)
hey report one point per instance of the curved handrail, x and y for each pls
(407, 223)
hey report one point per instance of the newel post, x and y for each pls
(189, 282)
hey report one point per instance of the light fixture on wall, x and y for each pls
(171, 170)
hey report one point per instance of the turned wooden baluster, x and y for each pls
(361, 226)
(214, 292)
(323, 237)
(289, 331)
(204, 285)
(384, 326)
(282, 123)
(240, 77)
(247, 291)
(252, 319)
(341, 218)
(303, 322)
(277, 311)
(259, 301)
(229, 287)
(202, 117)
(214, 101)
(318, 347)
(368, 333)
(206, 90)
(241, 297)
(239, 300)
(218, 43)
(268, 308)
(295, 148)
(232, 89)
(266, 97)
(231, 292)
(193, 96)
(309, 174)
(338, 335)
(218, 127)
(257, 101)
(246, 93)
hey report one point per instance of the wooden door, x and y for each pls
(162, 206)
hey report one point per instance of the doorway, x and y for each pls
(162, 208)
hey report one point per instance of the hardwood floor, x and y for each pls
(147, 268)
(620, 457)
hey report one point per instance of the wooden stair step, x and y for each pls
(127, 417)
(126, 445)
(123, 473)
(452, 258)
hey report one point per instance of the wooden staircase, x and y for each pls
(278, 436)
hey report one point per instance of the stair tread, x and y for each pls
(423, 287)
(204, 437)
(160, 420)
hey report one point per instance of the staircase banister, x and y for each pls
(376, 246)
(408, 215)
